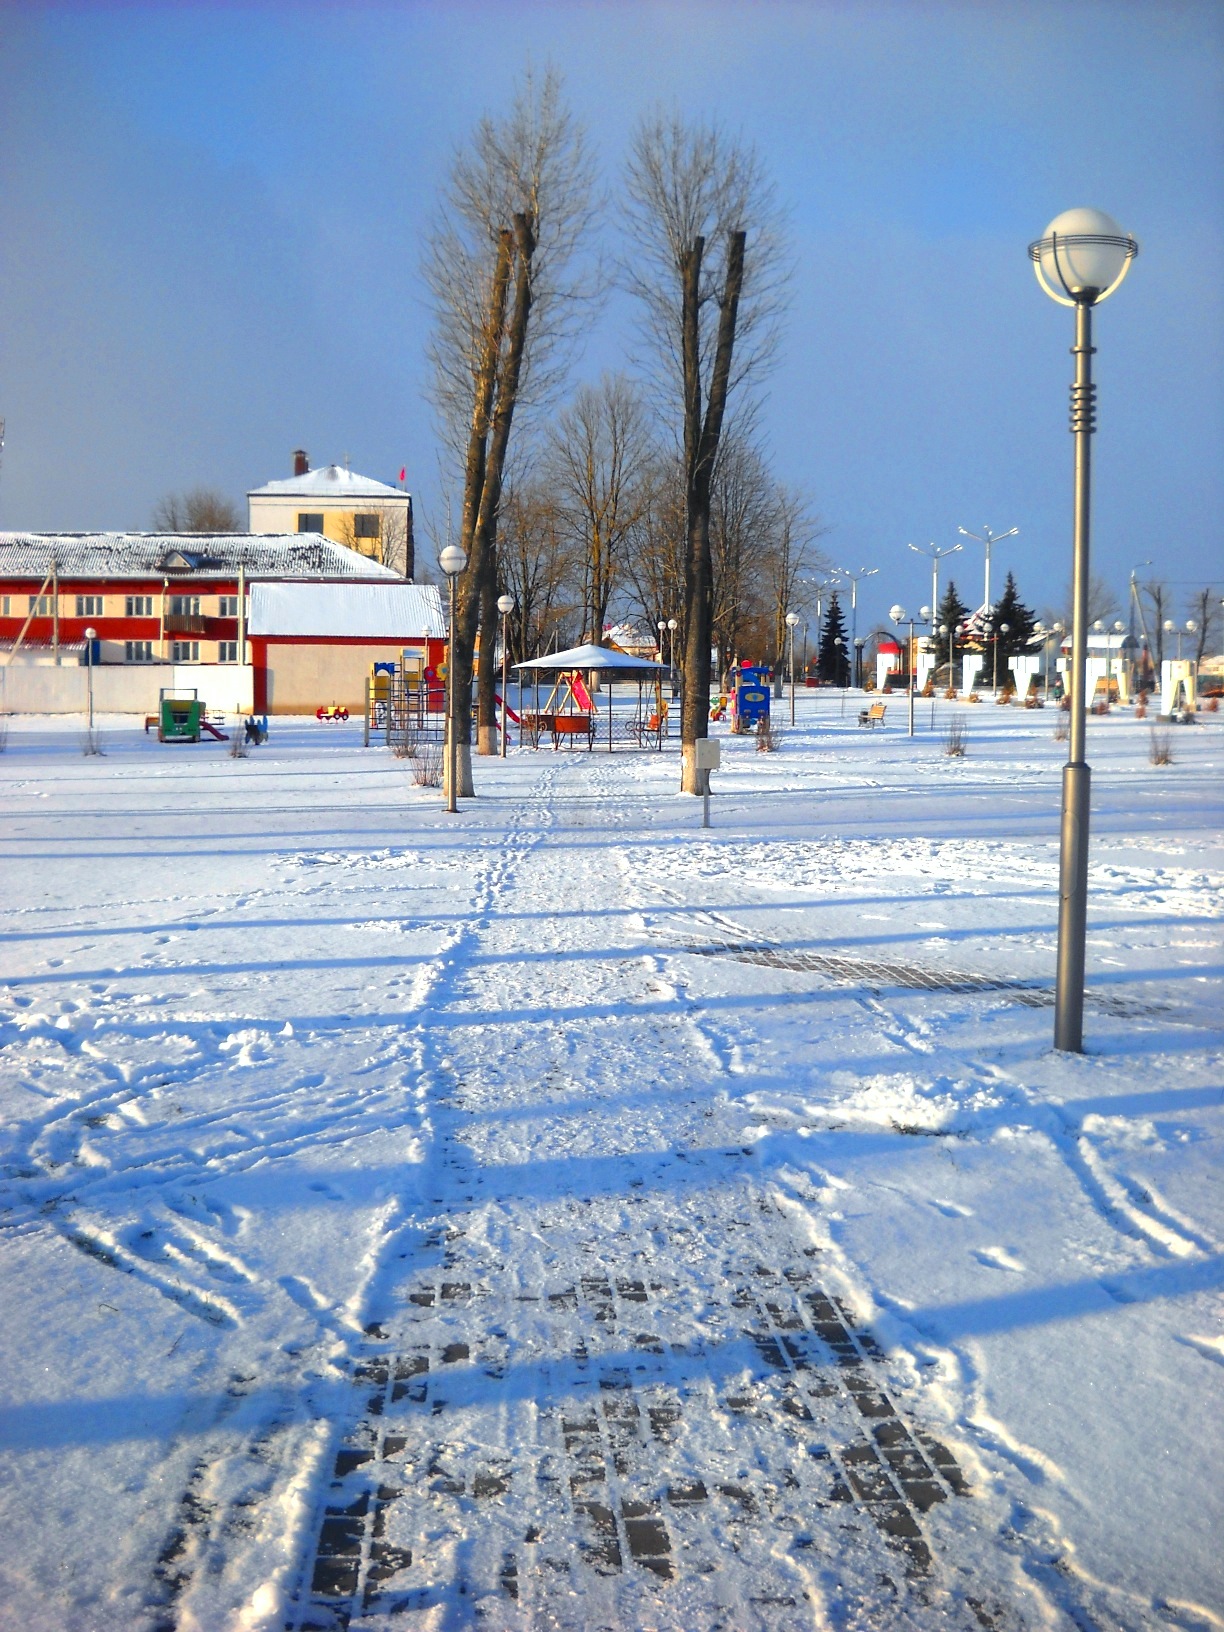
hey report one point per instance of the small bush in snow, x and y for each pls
(769, 738)
(3, 735)
(955, 739)
(1160, 748)
(1062, 729)
(237, 748)
(91, 742)
(426, 757)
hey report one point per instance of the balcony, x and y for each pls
(185, 623)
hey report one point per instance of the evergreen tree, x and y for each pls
(952, 612)
(1011, 610)
(833, 665)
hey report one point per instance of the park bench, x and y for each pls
(558, 726)
(873, 716)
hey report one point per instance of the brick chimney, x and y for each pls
(301, 462)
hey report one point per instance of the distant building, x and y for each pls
(282, 622)
(362, 514)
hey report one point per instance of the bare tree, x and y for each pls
(654, 559)
(1205, 610)
(789, 552)
(498, 266)
(1158, 598)
(709, 304)
(596, 463)
(394, 545)
(202, 510)
(538, 569)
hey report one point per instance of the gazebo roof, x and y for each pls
(605, 659)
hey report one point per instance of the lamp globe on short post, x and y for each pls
(505, 605)
(672, 626)
(452, 561)
(792, 618)
(1080, 259)
(90, 636)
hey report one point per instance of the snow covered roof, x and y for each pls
(397, 611)
(329, 482)
(150, 555)
(591, 657)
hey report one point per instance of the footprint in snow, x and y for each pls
(951, 1209)
(999, 1258)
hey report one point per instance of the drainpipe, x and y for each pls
(55, 609)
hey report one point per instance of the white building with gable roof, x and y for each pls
(362, 514)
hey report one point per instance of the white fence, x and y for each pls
(129, 688)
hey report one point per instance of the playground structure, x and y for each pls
(749, 700)
(182, 717)
(405, 701)
(569, 713)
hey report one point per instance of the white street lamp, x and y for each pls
(1080, 260)
(505, 605)
(853, 579)
(988, 538)
(90, 636)
(452, 561)
(899, 615)
(672, 626)
(792, 618)
(936, 556)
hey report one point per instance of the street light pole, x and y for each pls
(853, 577)
(452, 561)
(1082, 258)
(792, 618)
(90, 636)
(936, 556)
(505, 605)
(988, 538)
(899, 615)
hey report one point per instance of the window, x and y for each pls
(227, 651)
(42, 606)
(138, 651)
(227, 606)
(309, 522)
(184, 606)
(184, 651)
(138, 606)
(89, 606)
(365, 526)
(4, 606)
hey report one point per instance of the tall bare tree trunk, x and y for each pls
(700, 448)
(486, 668)
(480, 518)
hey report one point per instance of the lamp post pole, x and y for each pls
(936, 556)
(792, 618)
(90, 636)
(452, 561)
(671, 653)
(1082, 257)
(853, 578)
(988, 538)
(505, 605)
(899, 615)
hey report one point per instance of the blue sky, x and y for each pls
(211, 218)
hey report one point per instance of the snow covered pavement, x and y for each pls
(560, 1216)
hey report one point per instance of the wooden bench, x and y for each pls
(873, 716)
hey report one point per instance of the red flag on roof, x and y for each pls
(403, 472)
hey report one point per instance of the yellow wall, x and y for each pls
(304, 678)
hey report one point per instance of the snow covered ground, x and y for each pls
(560, 1216)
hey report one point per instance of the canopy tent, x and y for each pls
(605, 659)
(590, 658)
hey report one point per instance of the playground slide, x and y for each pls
(510, 714)
(221, 736)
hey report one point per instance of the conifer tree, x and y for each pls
(951, 614)
(833, 665)
(1011, 610)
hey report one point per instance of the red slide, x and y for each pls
(510, 714)
(221, 736)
